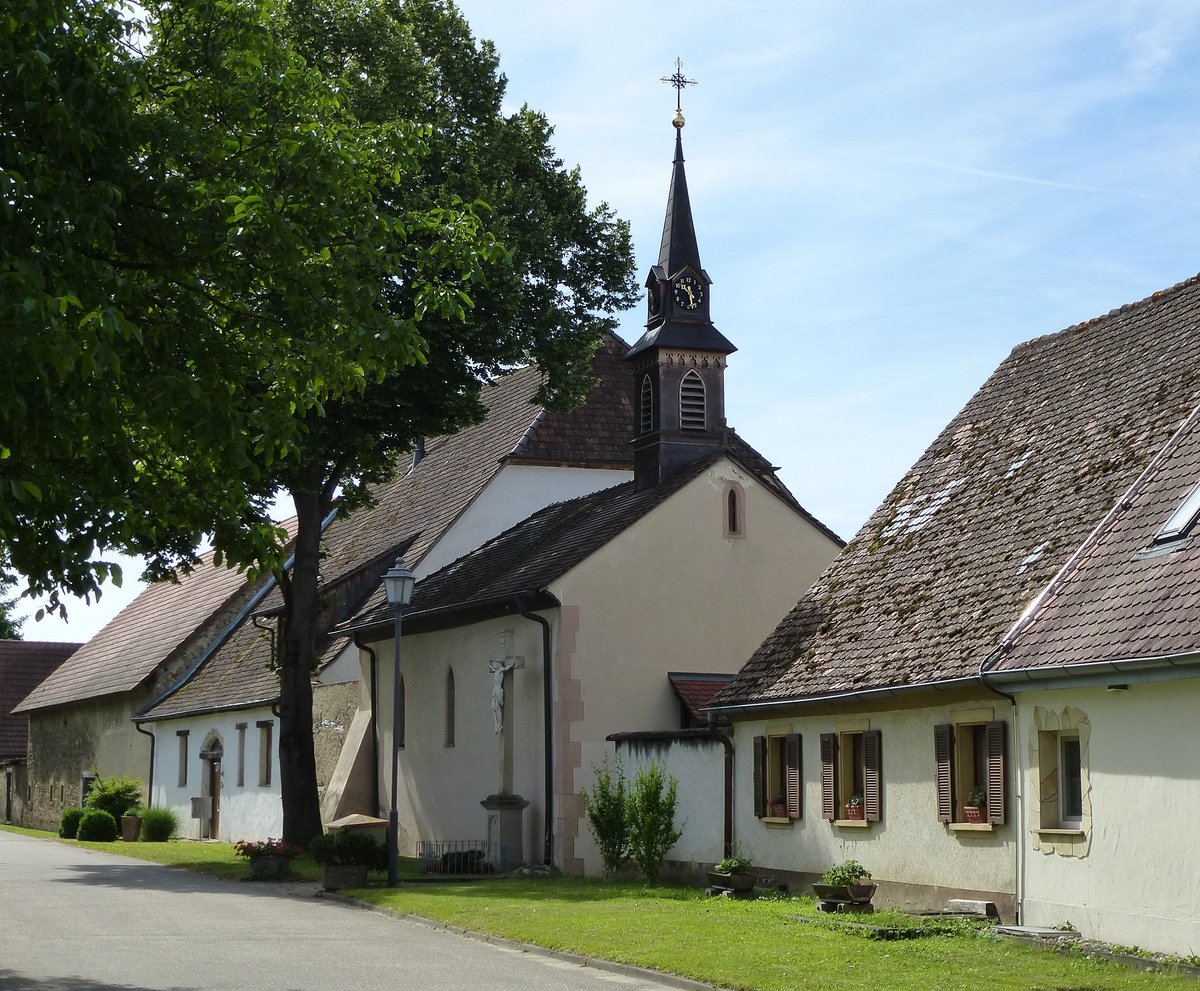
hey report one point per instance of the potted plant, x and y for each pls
(734, 874)
(269, 859)
(847, 883)
(975, 806)
(345, 856)
(778, 807)
(131, 825)
(854, 807)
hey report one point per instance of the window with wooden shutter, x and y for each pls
(995, 772)
(873, 775)
(969, 770)
(829, 796)
(760, 776)
(777, 776)
(944, 773)
(792, 762)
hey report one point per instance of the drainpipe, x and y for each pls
(372, 688)
(150, 777)
(728, 745)
(547, 727)
(1019, 776)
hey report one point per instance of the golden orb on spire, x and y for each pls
(678, 120)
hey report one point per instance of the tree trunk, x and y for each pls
(297, 758)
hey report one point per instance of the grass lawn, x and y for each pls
(737, 944)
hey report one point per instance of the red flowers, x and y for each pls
(269, 847)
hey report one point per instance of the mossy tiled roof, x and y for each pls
(991, 511)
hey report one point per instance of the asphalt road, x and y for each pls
(75, 920)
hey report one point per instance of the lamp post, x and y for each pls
(398, 581)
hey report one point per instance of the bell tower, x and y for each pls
(679, 362)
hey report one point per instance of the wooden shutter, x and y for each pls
(995, 772)
(872, 775)
(943, 747)
(829, 746)
(760, 776)
(792, 764)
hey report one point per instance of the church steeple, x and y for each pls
(679, 362)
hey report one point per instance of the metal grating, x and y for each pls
(459, 857)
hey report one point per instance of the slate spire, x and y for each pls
(679, 247)
(679, 362)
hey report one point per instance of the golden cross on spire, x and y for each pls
(679, 81)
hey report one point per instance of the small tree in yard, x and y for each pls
(650, 814)
(605, 805)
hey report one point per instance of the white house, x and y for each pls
(1016, 620)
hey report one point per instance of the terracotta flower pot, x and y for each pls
(855, 812)
(131, 828)
(975, 813)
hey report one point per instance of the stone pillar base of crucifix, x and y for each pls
(505, 830)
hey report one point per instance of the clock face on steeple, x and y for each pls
(688, 292)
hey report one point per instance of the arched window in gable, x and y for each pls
(691, 402)
(734, 510)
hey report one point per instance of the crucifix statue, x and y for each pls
(498, 666)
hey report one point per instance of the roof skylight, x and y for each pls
(1180, 522)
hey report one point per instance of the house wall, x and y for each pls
(514, 494)
(441, 786)
(250, 810)
(67, 742)
(671, 593)
(700, 811)
(918, 861)
(1130, 879)
(14, 782)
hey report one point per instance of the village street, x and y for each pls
(75, 920)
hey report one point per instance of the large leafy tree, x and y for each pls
(194, 260)
(547, 298)
(235, 257)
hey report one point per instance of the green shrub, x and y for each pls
(97, 826)
(115, 795)
(346, 846)
(650, 814)
(605, 805)
(159, 825)
(68, 825)
(847, 872)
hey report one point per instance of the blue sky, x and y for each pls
(889, 196)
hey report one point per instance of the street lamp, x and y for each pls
(398, 581)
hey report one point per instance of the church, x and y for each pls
(576, 574)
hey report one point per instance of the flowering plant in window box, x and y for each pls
(975, 805)
(854, 807)
(269, 859)
(266, 848)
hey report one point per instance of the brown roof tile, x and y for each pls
(412, 513)
(24, 664)
(696, 691)
(1123, 598)
(993, 508)
(141, 637)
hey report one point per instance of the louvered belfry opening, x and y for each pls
(692, 402)
(646, 406)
